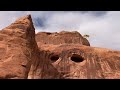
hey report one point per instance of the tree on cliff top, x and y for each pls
(86, 36)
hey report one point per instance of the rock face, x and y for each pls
(83, 62)
(75, 59)
(16, 45)
(64, 55)
(19, 54)
(61, 38)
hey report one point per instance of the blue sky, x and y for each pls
(102, 26)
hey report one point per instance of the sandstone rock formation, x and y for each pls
(73, 57)
(64, 55)
(19, 54)
(74, 61)
(61, 38)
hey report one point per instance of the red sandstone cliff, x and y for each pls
(61, 38)
(74, 61)
(64, 55)
(19, 53)
(73, 57)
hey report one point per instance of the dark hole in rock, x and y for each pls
(54, 58)
(48, 33)
(24, 66)
(77, 58)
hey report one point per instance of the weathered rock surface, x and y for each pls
(16, 44)
(74, 61)
(64, 55)
(20, 57)
(73, 57)
(61, 38)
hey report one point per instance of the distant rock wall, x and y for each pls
(61, 38)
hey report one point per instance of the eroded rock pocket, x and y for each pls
(77, 58)
(54, 58)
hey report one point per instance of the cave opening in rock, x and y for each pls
(54, 58)
(77, 58)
